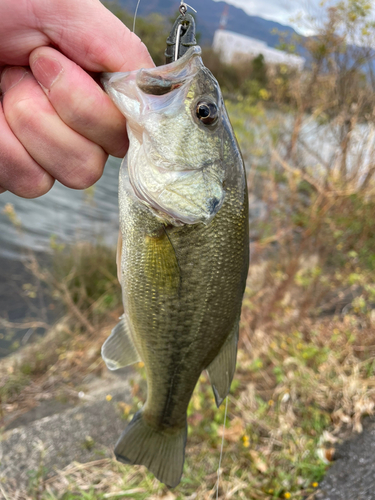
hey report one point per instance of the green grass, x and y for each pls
(306, 360)
(13, 385)
(293, 391)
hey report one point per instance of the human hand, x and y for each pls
(55, 120)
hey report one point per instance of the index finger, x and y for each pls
(84, 30)
(92, 36)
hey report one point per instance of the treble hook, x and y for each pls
(182, 35)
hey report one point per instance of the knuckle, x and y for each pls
(19, 172)
(18, 110)
(23, 112)
(26, 181)
(34, 186)
(119, 149)
(88, 171)
(82, 114)
(38, 191)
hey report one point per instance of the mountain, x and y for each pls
(208, 19)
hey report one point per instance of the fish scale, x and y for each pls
(162, 319)
(184, 252)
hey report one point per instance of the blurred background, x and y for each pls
(302, 103)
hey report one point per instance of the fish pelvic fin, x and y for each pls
(163, 453)
(222, 368)
(119, 350)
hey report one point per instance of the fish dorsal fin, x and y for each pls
(118, 256)
(119, 350)
(222, 368)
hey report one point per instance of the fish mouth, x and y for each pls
(163, 79)
(159, 80)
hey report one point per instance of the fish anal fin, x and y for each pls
(119, 350)
(163, 453)
(222, 368)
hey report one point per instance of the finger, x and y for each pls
(70, 158)
(98, 43)
(79, 101)
(2, 190)
(19, 173)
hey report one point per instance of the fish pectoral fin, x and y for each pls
(222, 368)
(163, 453)
(119, 350)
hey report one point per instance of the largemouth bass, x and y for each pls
(183, 251)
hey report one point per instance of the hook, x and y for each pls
(182, 36)
(184, 6)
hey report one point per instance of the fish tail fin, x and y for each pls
(162, 453)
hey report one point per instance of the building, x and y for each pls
(233, 47)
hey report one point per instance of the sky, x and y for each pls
(282, 11)
(296, 13)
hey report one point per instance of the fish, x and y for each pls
(183, 251)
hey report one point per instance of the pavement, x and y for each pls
(51, 437)
(352, 475)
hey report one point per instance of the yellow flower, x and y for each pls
(125, 408)
(287, 495)
(264, 94)
(271, 402)
(246, 441)
(315, 485)
(141, 364)
(108, 397)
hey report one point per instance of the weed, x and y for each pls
(12, 385)
(306, 357)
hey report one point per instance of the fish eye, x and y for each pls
(207, 112)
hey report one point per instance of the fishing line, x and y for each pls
(135, 15)
(221, 449)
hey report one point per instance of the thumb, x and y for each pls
(90, 35)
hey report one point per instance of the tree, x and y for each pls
(152, 30)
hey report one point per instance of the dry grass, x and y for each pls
(296, 392)
(305, 375)
(53, 367)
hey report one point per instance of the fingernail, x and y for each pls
(46, 70)
(11, 76)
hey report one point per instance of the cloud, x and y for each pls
(304, 15)
(290, 12)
